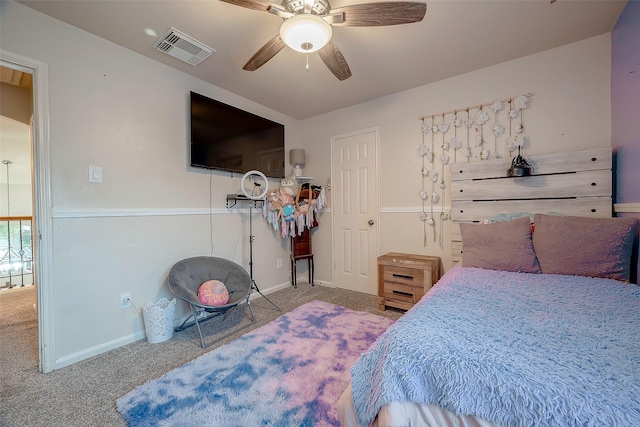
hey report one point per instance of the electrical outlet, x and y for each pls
(125, 300)
(279, 263)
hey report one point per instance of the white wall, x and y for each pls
(113, 108)
(19, 199)
(570, 110)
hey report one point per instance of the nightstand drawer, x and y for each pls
(400, 292)
(408, 276)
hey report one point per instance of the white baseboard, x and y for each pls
(269, 290)
(301, 279)
(323, 283)
(78, 356)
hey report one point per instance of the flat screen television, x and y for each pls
(227, 138)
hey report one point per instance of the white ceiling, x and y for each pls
(455, 37)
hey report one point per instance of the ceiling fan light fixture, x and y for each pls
(306, 33)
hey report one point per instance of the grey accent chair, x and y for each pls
(186, 276)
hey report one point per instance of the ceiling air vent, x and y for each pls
(181, 46)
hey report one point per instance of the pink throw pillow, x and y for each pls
(503, 246)
(213, 292)
(593, 247)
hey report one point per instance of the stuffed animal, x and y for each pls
(290, 185)
(288, 210)
(273, 200)
(288, 190)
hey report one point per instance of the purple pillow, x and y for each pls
(500, 246)
(594, 247)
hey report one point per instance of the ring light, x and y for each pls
(265, 189)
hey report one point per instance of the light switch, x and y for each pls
(95, 174)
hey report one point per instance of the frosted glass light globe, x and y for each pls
(306, 33)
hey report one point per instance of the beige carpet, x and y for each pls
(84, 394)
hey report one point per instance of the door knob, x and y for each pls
(370, 222)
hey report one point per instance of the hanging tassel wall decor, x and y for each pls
(422, 151)
(477, 117)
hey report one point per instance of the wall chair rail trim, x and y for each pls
(416, 209)
(108, 213)
(111, 213)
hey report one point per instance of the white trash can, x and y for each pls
(158, 320)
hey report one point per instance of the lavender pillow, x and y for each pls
(594, 247)
(500, 246)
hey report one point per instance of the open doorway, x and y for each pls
(19, 331)
(41, 225)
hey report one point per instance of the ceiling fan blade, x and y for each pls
(380, 14)
(264, 54)
(261, 5)
(333, 59)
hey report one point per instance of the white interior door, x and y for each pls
(355, 210)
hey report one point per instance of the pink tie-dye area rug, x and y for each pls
(289, 372)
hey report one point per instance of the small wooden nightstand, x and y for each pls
(404, 278)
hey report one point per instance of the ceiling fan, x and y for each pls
(307, 26)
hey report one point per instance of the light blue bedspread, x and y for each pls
(512, 348)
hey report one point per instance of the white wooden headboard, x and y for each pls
(575, 183)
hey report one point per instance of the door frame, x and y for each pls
(376, 131)
(41, 200)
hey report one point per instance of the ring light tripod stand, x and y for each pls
(254, 199)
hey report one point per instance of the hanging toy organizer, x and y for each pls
(292, 214)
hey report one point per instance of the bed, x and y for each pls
(530, 328)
